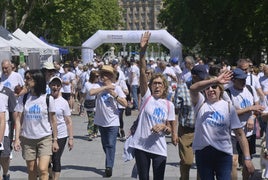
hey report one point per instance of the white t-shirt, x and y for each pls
(186, 76)
(62, 110)
(4, 108)
(12, 80)
(35, 123)
(213, 125)
(67, 77)
(135, 74)
(253, 80)
(107, 113)
(156, 111)
(264, 84)
(177, 71)
(241, 100)
(123, 85)
(88, 86)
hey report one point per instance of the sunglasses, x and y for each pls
(213, 87)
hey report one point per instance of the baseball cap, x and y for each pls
(200, 71)
(114, 62)
(152, 59)
(239, 74)
(55, 78)
(48, 65)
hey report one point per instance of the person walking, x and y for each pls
(215, 118)
(34, 126)
(92, 128)
(156, 119)
(7, 105)
(107, 113)
(64, 125)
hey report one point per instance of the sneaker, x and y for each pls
(90, 138)
(108, 172)
(6, 177)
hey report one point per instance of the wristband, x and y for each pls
(71, 138)
(247, 158)
(55, 139)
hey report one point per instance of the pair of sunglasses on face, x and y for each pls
(213, 87)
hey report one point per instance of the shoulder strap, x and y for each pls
(199, 109)
(47, 100)
(146, 100)
(25, 98)
(250, 89)
(229, 93)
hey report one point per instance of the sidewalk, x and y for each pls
(87, 159)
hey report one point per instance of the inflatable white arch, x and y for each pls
(129, 36)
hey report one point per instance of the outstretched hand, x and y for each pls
(145, 39)
(225, 77)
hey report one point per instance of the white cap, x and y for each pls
(151, 59)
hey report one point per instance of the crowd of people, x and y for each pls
(213, 112)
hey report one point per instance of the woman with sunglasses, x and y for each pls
(35, 125)
(108, 96)
(215, 118)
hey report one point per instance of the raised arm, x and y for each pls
(201, 85)
(143, 46)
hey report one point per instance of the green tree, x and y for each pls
(229, 28)
(64, 22)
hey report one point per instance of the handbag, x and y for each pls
(128, 111)
(89, 103)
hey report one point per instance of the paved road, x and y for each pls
(86, 160)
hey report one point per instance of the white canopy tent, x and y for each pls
(5, 50)
(13, 42)
(55, 50)
(129, 36)
(27, 40)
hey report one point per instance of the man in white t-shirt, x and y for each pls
(9, 78)
(246, 101)
(264, 81)
(8, 103)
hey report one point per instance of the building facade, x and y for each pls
(140, 14)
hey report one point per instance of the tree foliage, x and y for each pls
(229, 28)
(64, 22)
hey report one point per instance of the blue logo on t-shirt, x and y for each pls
(7, 84)
(34, 113)
(215, 119)
(245, 103)
(158, 115)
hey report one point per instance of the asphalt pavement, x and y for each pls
(87, 159)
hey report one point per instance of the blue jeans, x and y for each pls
(143, 162)
(211, 162)
(108, 141)
(134, 91)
